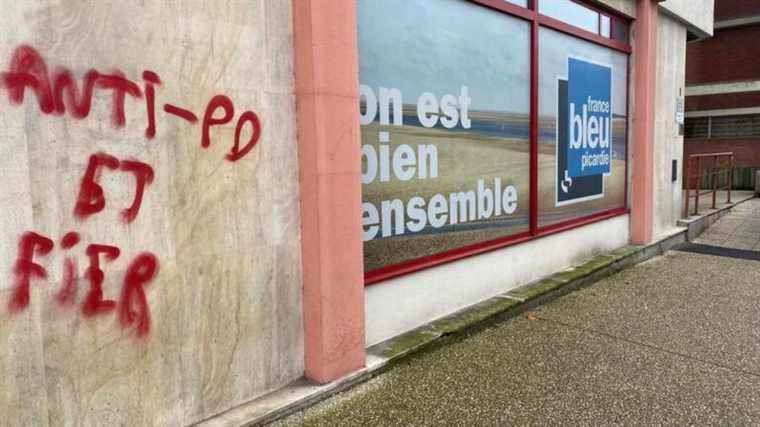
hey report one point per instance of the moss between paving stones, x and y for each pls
(471, 317)
(563, 278)
(405, 343)
(540, 288)
(626, 251)
(411, 341)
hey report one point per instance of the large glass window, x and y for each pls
(572, 13)
(605, 22)
(523, 3)
(735, 126)
(445, 103)
(582, 128)
(455, 158)
(586, 18)
(697, 127)
(619, 30)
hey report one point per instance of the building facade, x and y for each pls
(723, 86)
(203, 204)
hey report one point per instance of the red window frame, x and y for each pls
(537, 21)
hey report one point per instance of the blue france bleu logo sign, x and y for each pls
(589, 149)
(584, 131)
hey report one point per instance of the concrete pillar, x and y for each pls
(645, 68)
(327, 101)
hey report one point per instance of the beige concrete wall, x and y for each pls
(225, 307)
(626, 7)
(696, 14)
(668, 144)
(403, 303)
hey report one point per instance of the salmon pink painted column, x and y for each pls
(645, 54)
(327, 102)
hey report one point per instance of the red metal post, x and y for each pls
(699, 186)
(534, 122)
(730, 176)
(714, 177)
(688, 186)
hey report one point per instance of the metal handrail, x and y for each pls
(710, 174)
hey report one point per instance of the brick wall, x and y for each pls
(732, 9)
(732, 54)
(746, 150)
(723, 101)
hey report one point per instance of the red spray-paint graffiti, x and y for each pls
(91, 199)
(94, 304)
(28, 70)
(151, 79)
(133, 305)
(133, 309)
(58, 93)
(67, 293)
(25, 269)
(143, 177)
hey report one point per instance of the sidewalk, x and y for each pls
(673, 340)
(705, 201)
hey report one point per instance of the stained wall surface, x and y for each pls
(626, 7)
(668, 142)
(696, 14)
(224, 307)
(403, 303)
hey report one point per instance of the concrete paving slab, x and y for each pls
(705, 201)
(542, 372)
(707, 307)
(675, 340)
(739, 228)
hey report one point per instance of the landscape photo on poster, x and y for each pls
(445, 128)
